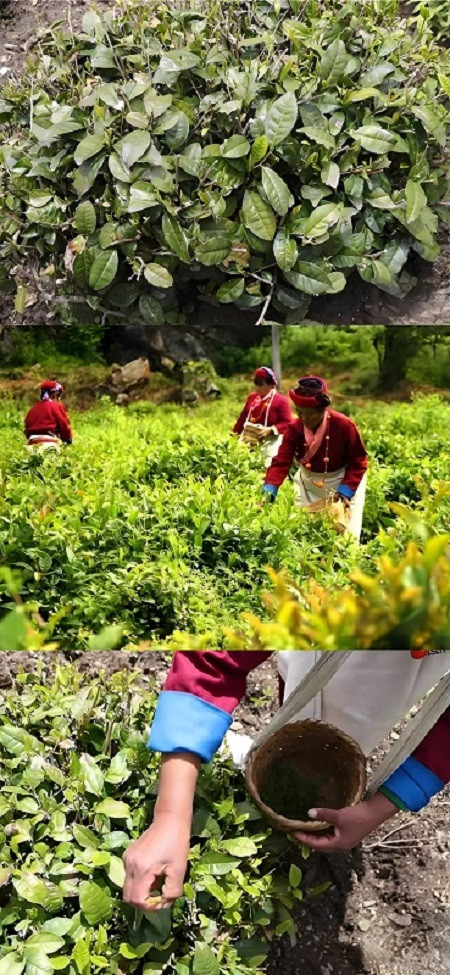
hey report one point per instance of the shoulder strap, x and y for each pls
(319, 676)
(416, 730)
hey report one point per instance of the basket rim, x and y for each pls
(310, 825)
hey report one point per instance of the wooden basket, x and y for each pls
(319, 751)
(337, 509)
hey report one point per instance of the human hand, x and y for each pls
(351, 824)
(341, 497)
(264, 434)
(156, 863)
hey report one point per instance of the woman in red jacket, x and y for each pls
(46, 423)
(266, 415)
(328, 450)
(194, 712)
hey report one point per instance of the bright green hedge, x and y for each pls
(247, 154)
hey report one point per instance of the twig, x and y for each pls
(392, 832)
(79, 300)
(266, 303)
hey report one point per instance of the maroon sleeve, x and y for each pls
(215, 676)
(357, 464)
(62, 420)
(434, 751)
(239, 425)
(283, 415)
(282, 463)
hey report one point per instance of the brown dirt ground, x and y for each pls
(387, 911)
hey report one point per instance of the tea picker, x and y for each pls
(350, 702)
(330, 456)
(265, 417)
(47, 424)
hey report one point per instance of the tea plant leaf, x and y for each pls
(205, 961)
(103, 270)
(85, 219)
(96, 904)
(258, 216)
(113, 808)
(158, 276)
(132, 147)
(281, 118)
(91, 145)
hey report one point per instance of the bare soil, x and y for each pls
(387, 910)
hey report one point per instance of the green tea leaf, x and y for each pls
(205, 961)
(175, 237)
(113, 808)
(258, 216)
(235, 147)
(276, 191)
(158, 276)
(415, 200)
(231, 290)
(281, 118)
(133, 147)
(103, 270)
(85, 219)
(95, 902)
(89, 146)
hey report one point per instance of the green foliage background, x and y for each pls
(77, 785)
(152, 518)
(252, 155)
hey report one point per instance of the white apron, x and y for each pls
(38, 442)
(372, 691)
(305, 492)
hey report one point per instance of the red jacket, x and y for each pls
(279, 414)
(49, 417)
(345, 449)
(204, 687)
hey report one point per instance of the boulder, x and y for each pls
(133, 375)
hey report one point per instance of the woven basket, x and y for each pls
(337, 509)
(310, 747)
(250, 434)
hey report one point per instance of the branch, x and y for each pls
(79, 300)
(266, 303)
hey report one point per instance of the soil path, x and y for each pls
(387, 912)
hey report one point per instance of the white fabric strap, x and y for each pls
(416, 730)
(322, 672)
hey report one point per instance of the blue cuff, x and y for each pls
(346, 491)
(414, 784)
(270, 489)
(186, 723)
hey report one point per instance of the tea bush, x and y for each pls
(249, 154)
(77, 786)
(151, 519)
(435, 14)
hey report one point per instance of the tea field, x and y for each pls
(151, 522)
(78, 784)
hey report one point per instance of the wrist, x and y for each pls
(382, 808)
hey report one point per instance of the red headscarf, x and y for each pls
(50, 386)
(267, 375)
(311, 392)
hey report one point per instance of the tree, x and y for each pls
(248, 154)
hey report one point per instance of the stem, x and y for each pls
(266, 303)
